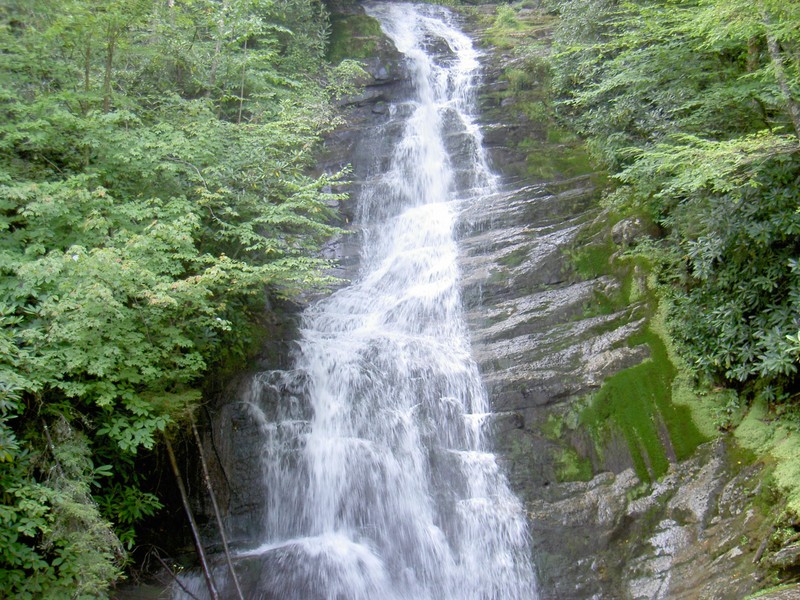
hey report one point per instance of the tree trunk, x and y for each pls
(87, 66)
(195, 533)
(212, 79)
(217, 514)
(87, 83)
(752, 55)
(110, 49)
(241, 87)
(775, 55)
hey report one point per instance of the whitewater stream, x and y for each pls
(378, 481)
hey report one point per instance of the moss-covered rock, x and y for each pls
(354, 36)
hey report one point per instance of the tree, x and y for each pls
(150, 199)
(766, 22)
(693, 108)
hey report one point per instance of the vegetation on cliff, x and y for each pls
(692, 109)
(691, 106)
(152, 196)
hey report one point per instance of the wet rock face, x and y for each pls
(538, 355)
(525, 303)
(691, 534)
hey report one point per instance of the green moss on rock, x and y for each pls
(760, 432)
(571, 466)
(636, 403)
(353, 36)
(594, 260)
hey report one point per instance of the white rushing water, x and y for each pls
(384, 488)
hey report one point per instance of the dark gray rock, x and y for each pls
(786, 557)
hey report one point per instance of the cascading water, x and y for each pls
(378, 483)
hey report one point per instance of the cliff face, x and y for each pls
(618, 507)
(694, 532)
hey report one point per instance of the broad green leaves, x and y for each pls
(739, 246)
(152, 194)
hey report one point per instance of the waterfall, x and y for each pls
(378, 481)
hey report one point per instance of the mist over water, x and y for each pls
(378, 482)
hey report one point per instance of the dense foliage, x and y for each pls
(693, 106)
(152, 191)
